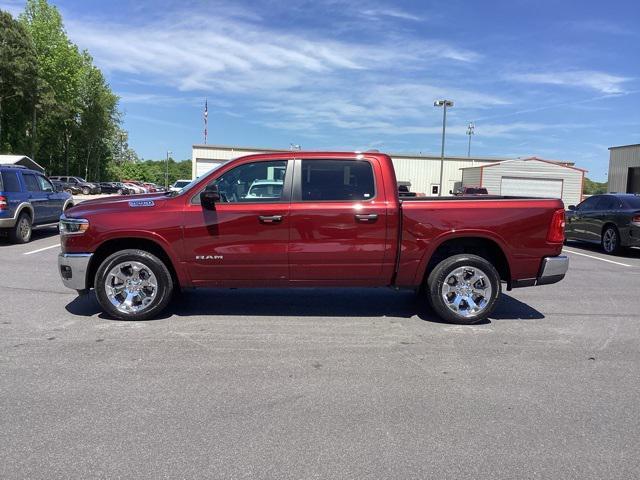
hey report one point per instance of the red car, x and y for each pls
(329, 219)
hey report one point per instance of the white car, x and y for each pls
(179, 185)
(265, 189)
(136, 188)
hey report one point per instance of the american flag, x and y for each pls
(206, 118)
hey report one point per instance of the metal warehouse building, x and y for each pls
(423, 171)
(532, 177)
(624, 169)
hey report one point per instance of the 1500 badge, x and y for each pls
(141, 203)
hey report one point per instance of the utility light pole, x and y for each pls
(446, 104)
(166, 170)
(470, 131)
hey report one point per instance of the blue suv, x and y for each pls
(28, 199)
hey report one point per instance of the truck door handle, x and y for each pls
(366, 217)
(270, 218)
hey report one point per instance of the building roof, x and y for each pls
(20, 160)
(625, 146)
(554, 162)
(395, 155)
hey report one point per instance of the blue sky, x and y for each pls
(556, 79)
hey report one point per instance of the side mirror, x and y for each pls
(572, 207)
(209, 196)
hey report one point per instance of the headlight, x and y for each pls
(73, 226)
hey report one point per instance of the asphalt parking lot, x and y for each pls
(320, 383)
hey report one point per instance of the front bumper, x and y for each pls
(552, 270)
(73, 268)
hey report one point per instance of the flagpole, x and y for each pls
(206, 120)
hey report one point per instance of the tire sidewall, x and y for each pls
(442, 271)
(159, 269)
(16, 234)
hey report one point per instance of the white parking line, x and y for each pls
(42, 249)
(596, 258)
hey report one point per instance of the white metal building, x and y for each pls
(624, 169)
(532, 177)
(423, 171)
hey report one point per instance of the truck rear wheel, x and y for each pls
(463, 289)
(133, 285)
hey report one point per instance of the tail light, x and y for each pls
(3, 202)
(556, 229)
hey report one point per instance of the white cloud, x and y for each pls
(599, 81)
(390, 12)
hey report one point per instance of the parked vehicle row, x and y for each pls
(77, 184)
(27, 200)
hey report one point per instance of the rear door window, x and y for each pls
(9, 182)
(31, 182)
(337, 180)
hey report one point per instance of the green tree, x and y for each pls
(18, 81)
(594, 188)
(75, 111)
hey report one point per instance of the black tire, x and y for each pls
(610, 240)
(21, 232)
(68, 190)
(150, 261)
(443, 273)
(86, 191)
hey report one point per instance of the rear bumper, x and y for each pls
(552, 270)
(7, 222)
(73, 268)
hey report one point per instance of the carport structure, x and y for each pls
(21, 160)
(531, 177)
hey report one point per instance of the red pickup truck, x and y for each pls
(311, 219)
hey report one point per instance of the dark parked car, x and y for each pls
(115, 187)
(61, 187)
(612, 220)
(28, 199)
(87, 188)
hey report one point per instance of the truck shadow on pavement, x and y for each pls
(307, 303)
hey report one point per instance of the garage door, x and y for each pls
(204, 165)
(531, 187)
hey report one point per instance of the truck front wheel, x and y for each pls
(133, 285)
(463, 289)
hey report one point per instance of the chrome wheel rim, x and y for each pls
(24, 229)
(466, 291)
(609, 240)
(131, 287)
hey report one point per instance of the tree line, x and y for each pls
(56, 105)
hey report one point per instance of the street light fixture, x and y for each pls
(446, 104)
(166, 170)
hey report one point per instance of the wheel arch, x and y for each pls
(482, 246)
(117, 244)
(24, 206)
